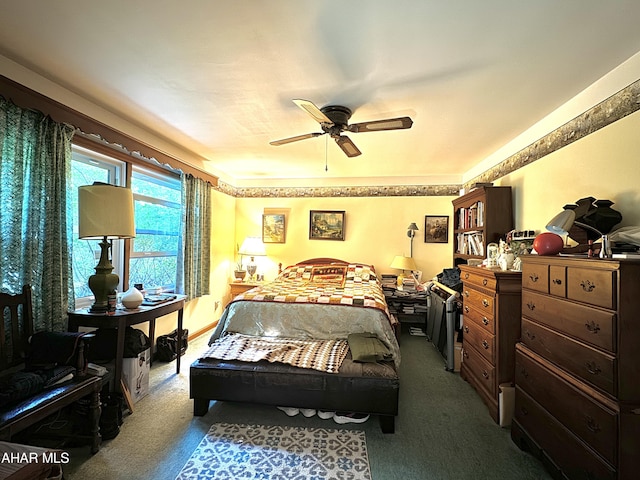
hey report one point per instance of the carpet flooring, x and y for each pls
(443, 430)
(238, 451)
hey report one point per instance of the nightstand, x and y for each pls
(240, 287)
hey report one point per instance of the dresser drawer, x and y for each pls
(573, 457)
(558, 280)
(580, 413)
(595, 287)
(481, 340)
(535, 277)
(483, 302)
(483, 281)
(591, 325)
(480, 368)
(484, 319)
(591, 365)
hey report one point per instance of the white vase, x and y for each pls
(132, 298)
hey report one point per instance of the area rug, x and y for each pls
(239, 451)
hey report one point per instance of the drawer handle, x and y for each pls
(466, 293)
(592, 425)
(593, 327)
(466, 329)
(485, 374)
(485, 344)
(531, 306)
(529, 335)
(593, 368)
(524, 373)
(485, 302)
(524, 411)
(484, 282)
(485, 320)
(534, 277)
(556, 281)
(465, 354)
(587, 286)
(466, 309)
(466, 276)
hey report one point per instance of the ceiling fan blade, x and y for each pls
(312, 110)
(284, 141)
(347, 146)
(377, 125)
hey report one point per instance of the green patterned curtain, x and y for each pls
(35, 245)
(194, 260)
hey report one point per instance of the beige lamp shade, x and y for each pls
(105, 211)
(252, 247)
(403, 263)
(562, 223)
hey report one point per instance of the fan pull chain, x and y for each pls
(326, 147)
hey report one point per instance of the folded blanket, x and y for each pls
(367, 347)
(322, 355)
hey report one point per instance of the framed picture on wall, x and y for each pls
(326, 225)
(436, 229)
(273, 228)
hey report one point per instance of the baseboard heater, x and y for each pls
(442, 316)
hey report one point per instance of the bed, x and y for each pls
(319, 336)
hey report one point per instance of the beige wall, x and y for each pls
(375, 230)
(603, 165)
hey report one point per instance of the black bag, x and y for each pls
(167, 346)
(103, 346)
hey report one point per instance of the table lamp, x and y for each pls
(403, 263)
(252, 247)
(105, 212)
(562, 223)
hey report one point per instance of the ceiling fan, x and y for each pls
(334, 120)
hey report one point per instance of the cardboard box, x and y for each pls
(135, 374)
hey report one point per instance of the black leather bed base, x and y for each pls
(359, 387)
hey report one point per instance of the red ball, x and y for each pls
(548, 243)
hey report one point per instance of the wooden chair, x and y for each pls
(16, 328)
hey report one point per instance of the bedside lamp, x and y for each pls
(252, 247)
(562, 223)
(403, 263)
(104, 212)
(411, 232)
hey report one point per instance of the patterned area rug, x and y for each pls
(232, 451)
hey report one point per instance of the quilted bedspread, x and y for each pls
(312, 302)
(354, 285)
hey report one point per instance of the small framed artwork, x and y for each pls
(273, 228)
(326, 225)
(436, 229)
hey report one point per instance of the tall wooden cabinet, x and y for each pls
(482, 216)
(491, 328)
(578, 366)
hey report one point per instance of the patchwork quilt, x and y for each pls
(322, 355)
(355, 285)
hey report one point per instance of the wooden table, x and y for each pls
(123, 318)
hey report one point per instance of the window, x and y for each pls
(86, 168)
(154, 251)
(154, 256)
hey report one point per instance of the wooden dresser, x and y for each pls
(491, 328)
(578, 366)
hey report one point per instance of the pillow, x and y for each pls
(367, 347)
(329, 275)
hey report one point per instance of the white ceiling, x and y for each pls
(218, 77)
